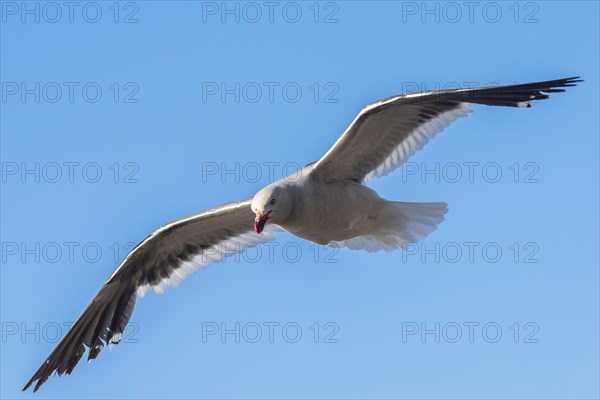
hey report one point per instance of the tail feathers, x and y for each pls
(413, 221)
(400, 224)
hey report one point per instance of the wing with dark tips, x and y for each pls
(163, 259)
(386, 133)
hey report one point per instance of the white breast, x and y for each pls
(334, 211)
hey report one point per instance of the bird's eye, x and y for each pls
(272, 201)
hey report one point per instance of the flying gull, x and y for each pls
(328, 204)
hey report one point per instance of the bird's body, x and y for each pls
(327, 202)
(330, 211)
(350, 214)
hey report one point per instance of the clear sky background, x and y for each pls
(500, 302)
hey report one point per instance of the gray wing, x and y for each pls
(388, 132)
(163, 259)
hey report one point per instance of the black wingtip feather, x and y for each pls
(108, 314)
(519, 95)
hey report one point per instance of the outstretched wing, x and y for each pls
(386, 133)
(163, 259)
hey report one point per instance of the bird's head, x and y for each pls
(271, 203)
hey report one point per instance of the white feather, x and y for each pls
(209, 256)
(415, 141)
(399, 225)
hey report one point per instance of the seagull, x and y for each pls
(327, 202)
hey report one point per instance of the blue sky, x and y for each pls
(117, 119)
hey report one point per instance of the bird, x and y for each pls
(327, 202)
